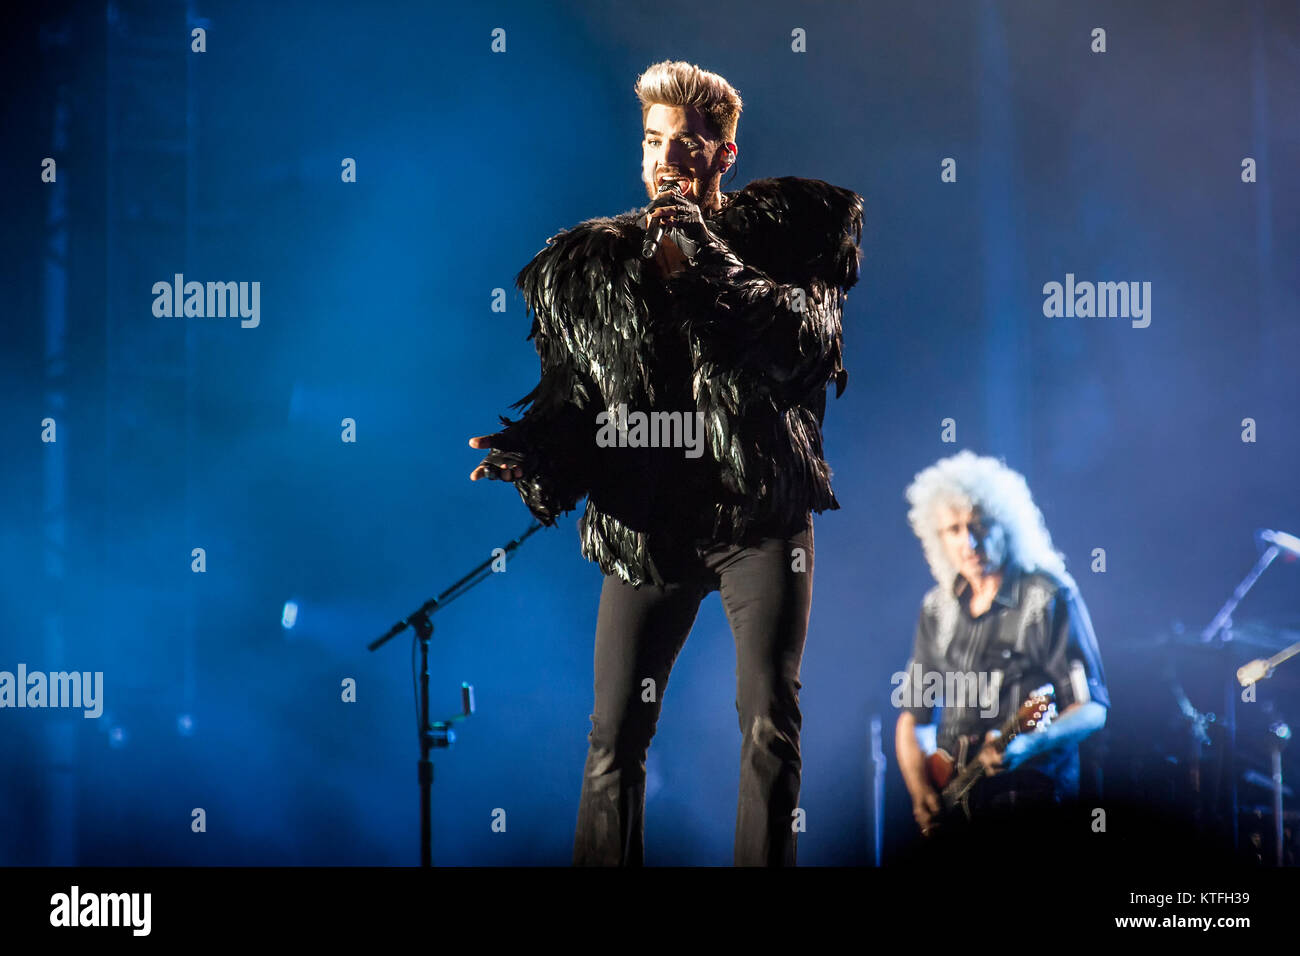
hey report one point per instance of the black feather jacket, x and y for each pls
(748, 336)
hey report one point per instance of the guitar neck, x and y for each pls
(974, 770)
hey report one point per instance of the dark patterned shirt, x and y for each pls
(1037, 631)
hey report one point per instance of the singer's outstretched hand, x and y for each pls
(501, 473)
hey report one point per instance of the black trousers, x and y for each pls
(766, 591)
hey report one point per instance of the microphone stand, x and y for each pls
(1220, 630)
(1279, 734)
(877, 787)
(1252, 673)
(439, 733)
(1199, 740)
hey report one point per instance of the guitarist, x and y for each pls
(1006, 610)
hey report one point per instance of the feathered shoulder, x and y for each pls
(793, 229)
(584, 280)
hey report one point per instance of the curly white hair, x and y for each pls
(967, 480)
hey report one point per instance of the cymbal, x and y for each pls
(1266, 783)
(1248, 635)
(1266, 810)
(1259, 634)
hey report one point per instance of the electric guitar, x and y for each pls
(955, 785)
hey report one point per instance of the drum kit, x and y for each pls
(1228, 762)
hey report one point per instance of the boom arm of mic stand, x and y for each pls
(1221, 622)
(1224, 617)
(449, 595)
(438, 734)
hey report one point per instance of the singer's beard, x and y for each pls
(708, 188)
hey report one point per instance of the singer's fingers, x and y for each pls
(669, 199)
(670, 214)
(493, 440)
(670, 206)
(496, 472)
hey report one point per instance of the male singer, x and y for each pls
(723, 334)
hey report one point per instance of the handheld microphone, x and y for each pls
(655, 234)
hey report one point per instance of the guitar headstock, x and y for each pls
(1038, 710)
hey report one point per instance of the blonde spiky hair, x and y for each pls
(678, 83)
(967, 480)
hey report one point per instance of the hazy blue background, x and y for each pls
(375, 305)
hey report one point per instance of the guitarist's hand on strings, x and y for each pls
(1011, 756)
(989, 755)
